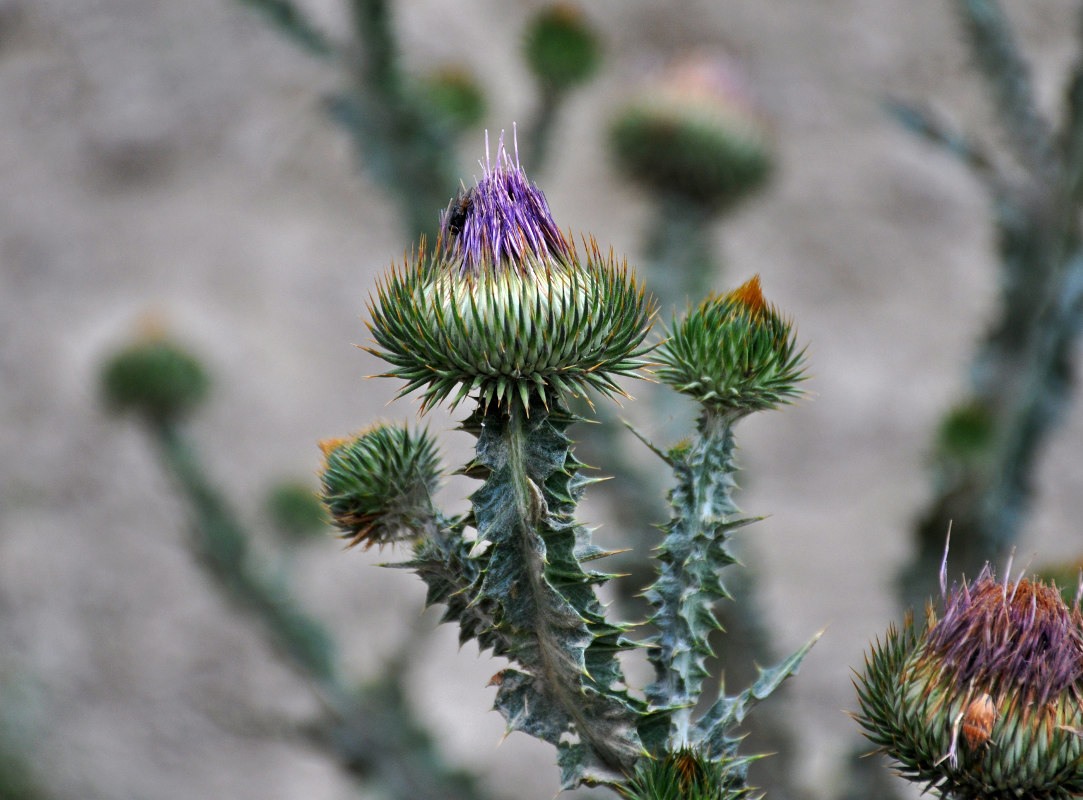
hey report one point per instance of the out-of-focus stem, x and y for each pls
(1022, 372)
(682, 263)
(409, 154)
(540, 132)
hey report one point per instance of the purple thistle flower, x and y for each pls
(502, 221)
(1010, 637)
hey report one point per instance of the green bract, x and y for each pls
(545, 328)
(734, 353)
(378, 485)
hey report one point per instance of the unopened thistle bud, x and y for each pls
(687, 775)
(561, 48)
(733, 353)
(505, 307)
(454, 95)
(378, 485)
(295, 511)
(984, 700)
(155, 377)
(695, 134)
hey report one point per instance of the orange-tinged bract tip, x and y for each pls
(328, 446)
(750, 295)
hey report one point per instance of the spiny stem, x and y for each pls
(549, 621)
(691, 555)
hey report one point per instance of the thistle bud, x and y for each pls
(154, 377)
(984, 700)
(687, 775)
(378, 485)
(505, 307)
(561, 49)
(694, 133)
(733, 353)
(295, 511)
(453, 94)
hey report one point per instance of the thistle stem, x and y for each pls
(683, 265)
(691, 555)
(540, 134)
(550, 621)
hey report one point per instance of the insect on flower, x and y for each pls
(978, 721)
(456, 215)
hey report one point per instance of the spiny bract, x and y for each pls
(686, 774)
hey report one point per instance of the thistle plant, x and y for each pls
(983, 699)
(505, 312)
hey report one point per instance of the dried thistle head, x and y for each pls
(984, 700)
(505, 306)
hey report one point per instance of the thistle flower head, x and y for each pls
(505, 307)
(378, 485)
(695, 133)
(984, 700)
(734, 353)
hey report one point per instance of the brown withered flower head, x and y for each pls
(984, 700)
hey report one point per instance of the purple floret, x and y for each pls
(1018, 637)
(503, 221)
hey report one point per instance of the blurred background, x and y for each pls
(190, 167)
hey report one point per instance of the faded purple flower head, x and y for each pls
(502, 221)
(1010, 638)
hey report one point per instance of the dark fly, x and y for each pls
(456, 218)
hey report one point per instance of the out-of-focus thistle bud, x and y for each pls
(983, 701)
(154, 377)
(967, 433)
(686, 775)
(378, 485)
(295, 511)
(695, 134)
(505, 307)
(561, 48)
(453, 93)
(733, 353)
